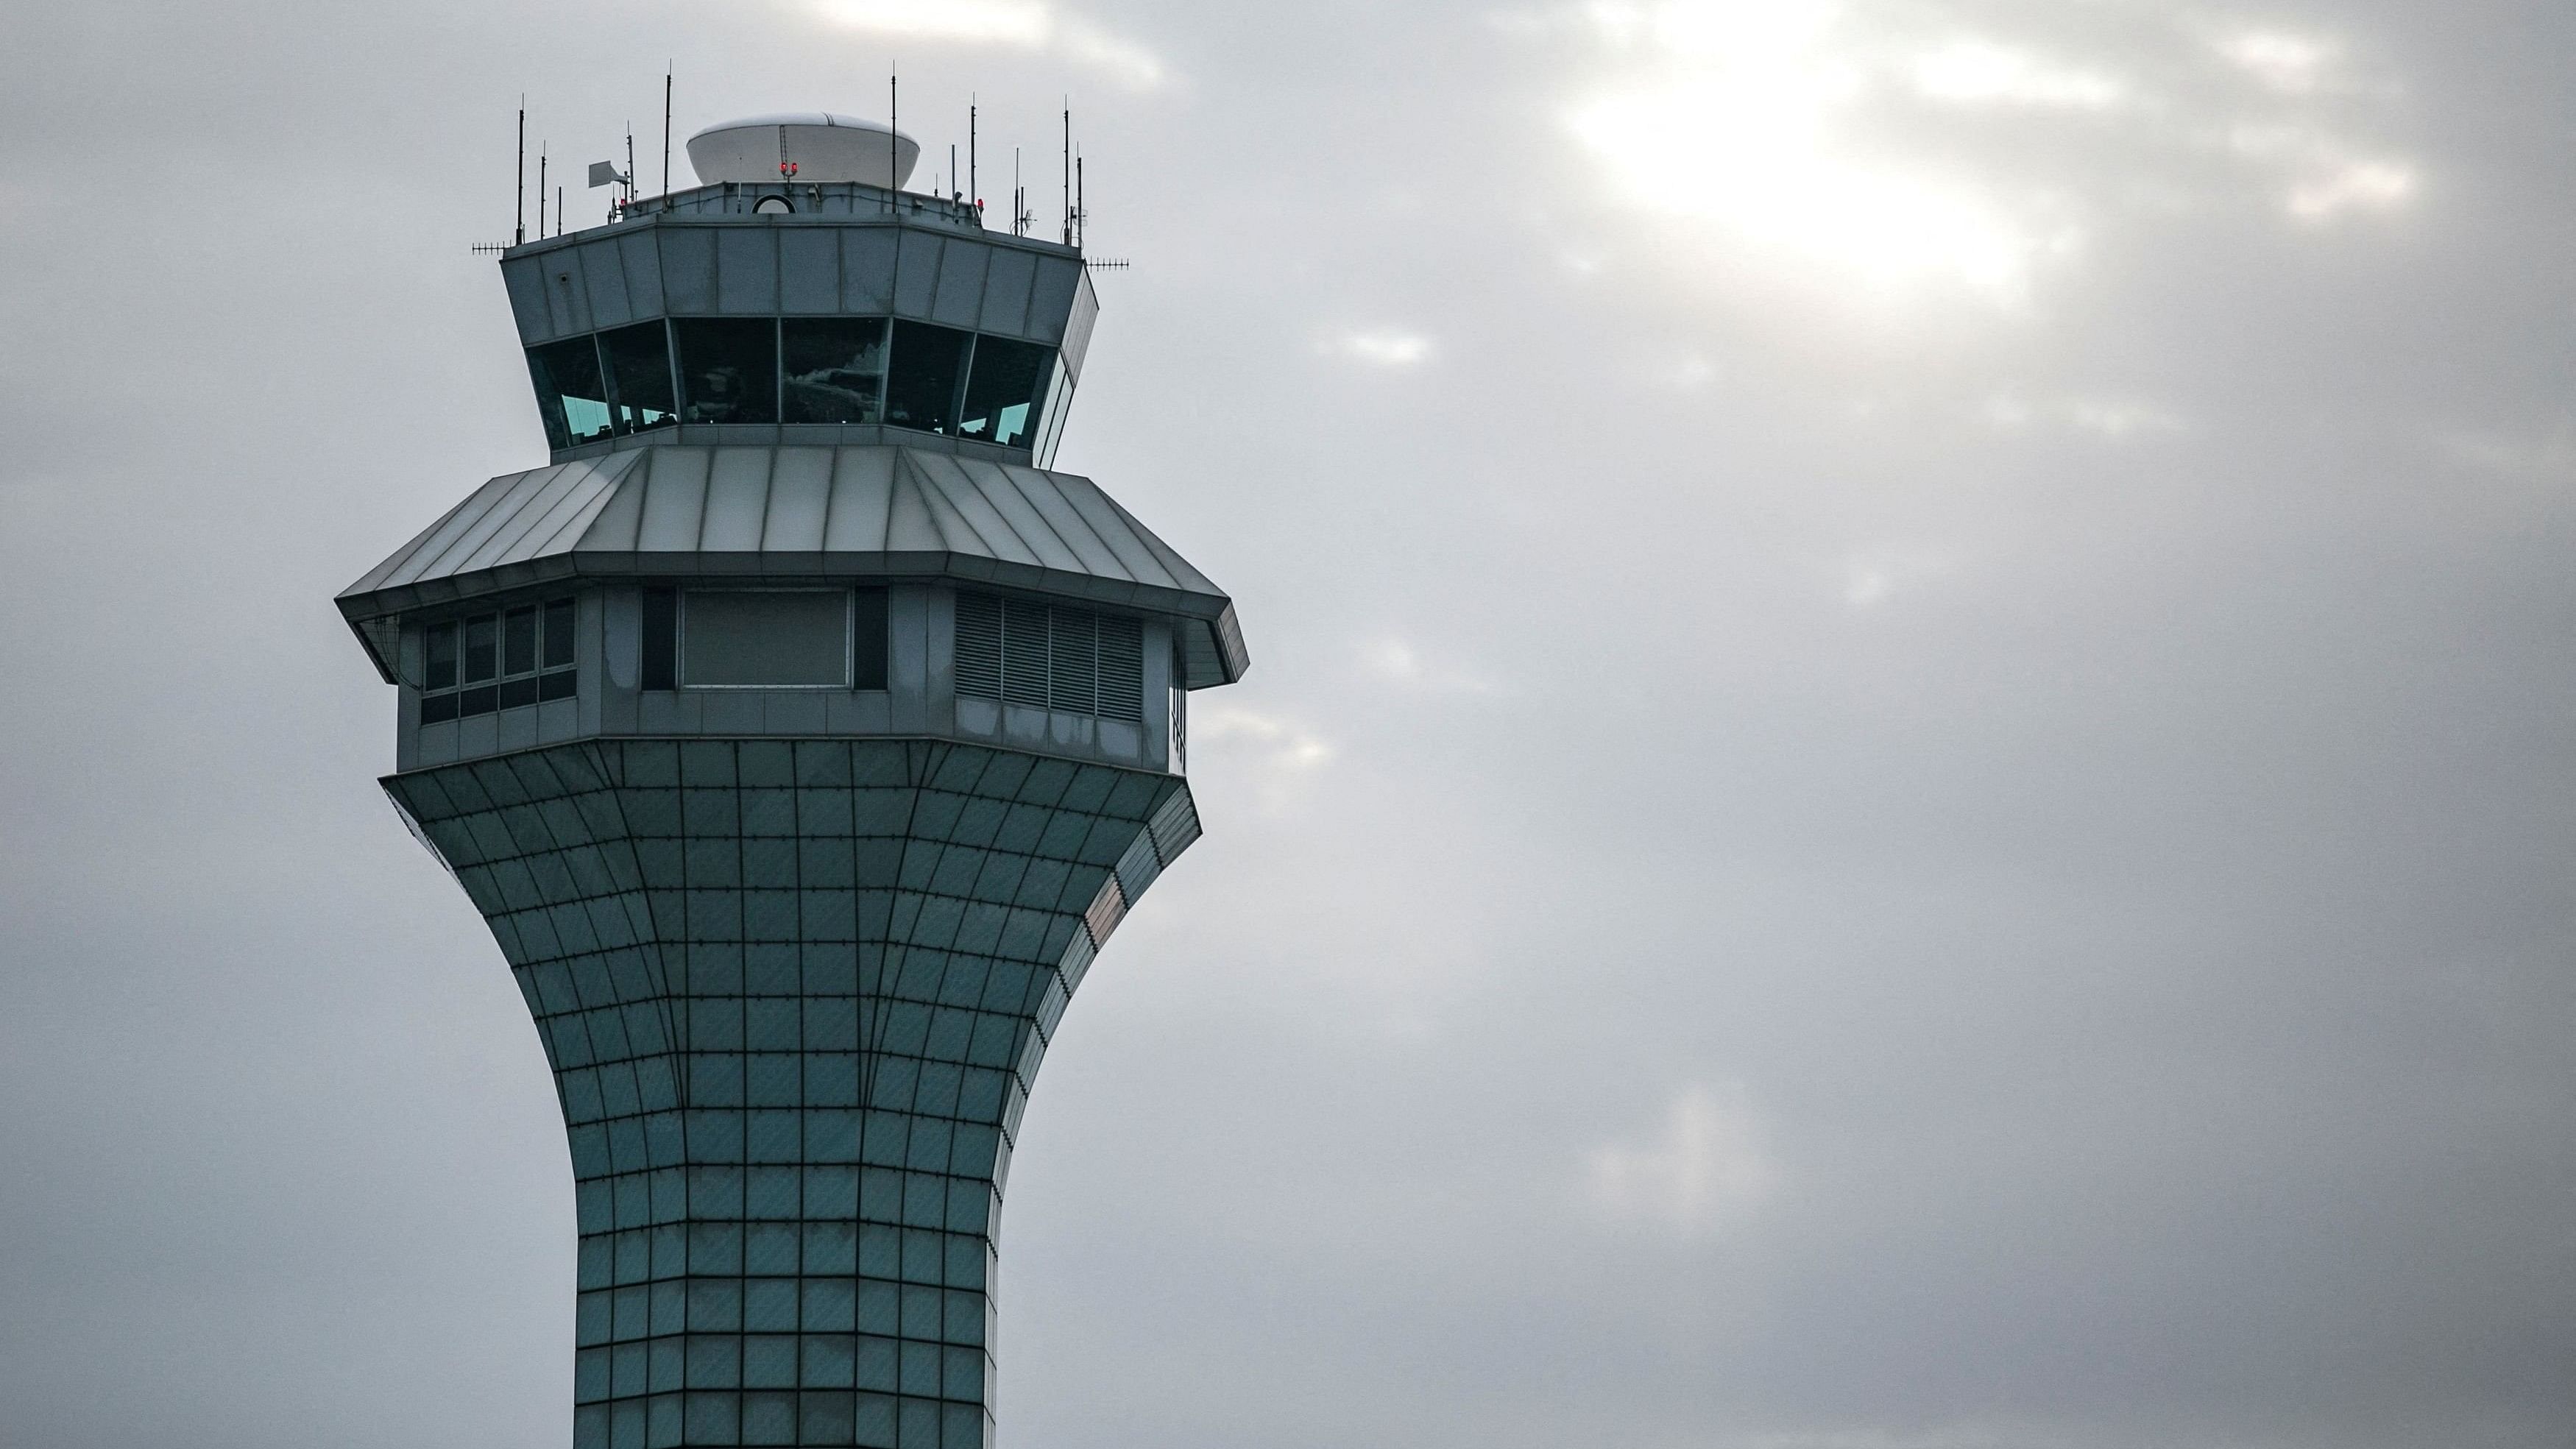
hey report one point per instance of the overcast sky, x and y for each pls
(1909, 782)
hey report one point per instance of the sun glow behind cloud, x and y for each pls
(1727, 111)
(1884, 150)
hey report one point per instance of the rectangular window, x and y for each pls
(569, 394)
(661, 639)
(498, 661)
(835, 368)
(481, 661)
(638, 361)
(519, 642)
(559, 634)
(868, 639)
(922, 377)
(1003, 392)
(767, 637)
(728, 369)
(1049, 656)
(441, 645)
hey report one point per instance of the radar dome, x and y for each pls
(821, 146)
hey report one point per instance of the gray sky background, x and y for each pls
(1910, 781)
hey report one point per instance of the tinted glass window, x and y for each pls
(868, 640)
(1003, 394)
(728, 369)
(835, 368)
(529, 649)
(442, 657)
(921, 389)
(661, 638)
(639, 377)
(569, 395)
(558, 633)
(479, 652)
(765, 637)
(519, 641)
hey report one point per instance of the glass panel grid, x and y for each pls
(793, 994)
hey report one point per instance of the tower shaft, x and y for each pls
(793, 994)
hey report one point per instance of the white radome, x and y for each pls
(822, 146)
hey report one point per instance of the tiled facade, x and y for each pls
(794, 993)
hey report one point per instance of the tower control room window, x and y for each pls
(835, 368)
(499, 660)
(1048, 656)
(638, 362)
(1003, 391)
(921, 387)
(728, 369)
(569, 394)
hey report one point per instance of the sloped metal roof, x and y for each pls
(697, 511)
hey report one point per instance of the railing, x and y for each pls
(810, 198)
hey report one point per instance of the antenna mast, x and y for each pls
(971, 193)
(541, 191)
(1068, 171)
(666, 129)
(894, 99)
(519, 214)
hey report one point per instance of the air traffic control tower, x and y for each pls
(802, 737)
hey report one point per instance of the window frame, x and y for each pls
(544, 684)
(849, 637)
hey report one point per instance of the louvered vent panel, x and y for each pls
(1024, 653)
(979, 646)
(1122, 669)
(1070, 672)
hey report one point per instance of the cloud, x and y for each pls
(1380, 347)
(2354, 186)
(1398, 662)
(1018, 23)
(2115, 419)
(1708, 1167)
(1826, 139)
(2294, 65)
(1727, 113)
(1285, 755)
(1971, 72)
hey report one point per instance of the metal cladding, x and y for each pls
(800, 769)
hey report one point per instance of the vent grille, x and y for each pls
(1122, 669)
(1024, 653)
(979, 646)
(1049, 657)
(1071, 675)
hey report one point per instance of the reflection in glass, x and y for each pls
(728, 369)
(480, 656)
(639, 377)
(569, 395)
(921, 388)
(558, 633)
(835, 368)
(1002, 393)
(442, 657)
(519, 642)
